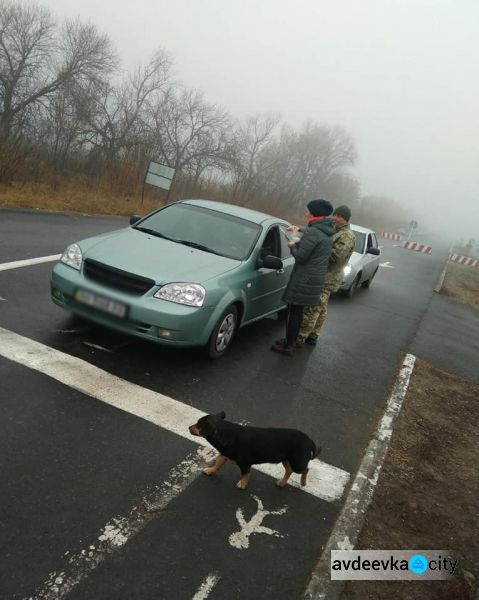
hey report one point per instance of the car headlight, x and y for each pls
(347, 270)
(72, 256)
(190, 294)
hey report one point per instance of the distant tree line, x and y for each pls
(67, 109)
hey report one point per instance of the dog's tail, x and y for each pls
(315, 450)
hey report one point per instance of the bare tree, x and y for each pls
(117, 122)
(252, 159)
(314, 162)
(56, 129)
(37, 58)
(188, 133)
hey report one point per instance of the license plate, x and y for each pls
(107, 305)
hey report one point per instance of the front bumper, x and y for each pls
(146, 316)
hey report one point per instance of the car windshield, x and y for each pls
(204, 229)
(360, 237)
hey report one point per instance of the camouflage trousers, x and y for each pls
(313, 318)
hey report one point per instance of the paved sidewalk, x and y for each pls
(448, 337)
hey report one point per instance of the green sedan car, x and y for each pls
(189, 274)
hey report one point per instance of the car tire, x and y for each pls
(354, 286)
(223, 332)
(367, 284)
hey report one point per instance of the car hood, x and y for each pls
(156, 258)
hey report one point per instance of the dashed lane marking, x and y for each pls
(28, 262)
(77, 566)
(206, 587)
(324, 480)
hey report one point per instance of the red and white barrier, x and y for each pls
(418, 247)
(465, 260)
(391, 236)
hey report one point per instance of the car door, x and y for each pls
(375, 259)
(268, 285)
(370, 260)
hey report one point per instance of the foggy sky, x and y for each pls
(400, 75)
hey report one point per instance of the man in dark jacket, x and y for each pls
(311, 255)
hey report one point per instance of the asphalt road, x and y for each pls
(74, 467)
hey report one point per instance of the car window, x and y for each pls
(375, 241)
(285, 249)
(360, 238)
(271, 244)
(370, 241)
(224, 234)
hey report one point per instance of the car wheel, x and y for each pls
(223, 332)
(354, 286)
(366, 284)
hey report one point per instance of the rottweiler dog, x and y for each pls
(247, 446)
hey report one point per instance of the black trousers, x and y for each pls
(293, 325)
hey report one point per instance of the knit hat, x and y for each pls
(343, 211)
(320, 208)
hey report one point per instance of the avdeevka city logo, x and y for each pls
(418, 564)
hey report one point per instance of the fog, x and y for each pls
(399, 75)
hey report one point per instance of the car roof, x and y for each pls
(232, 209)
(361, 229)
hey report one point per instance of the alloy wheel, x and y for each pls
(225, 332)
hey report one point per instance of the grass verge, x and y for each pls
(462, 283)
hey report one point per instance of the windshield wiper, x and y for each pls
(198, 246)
(184, 242)
(154, 232)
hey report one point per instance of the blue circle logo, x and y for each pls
(418, 564)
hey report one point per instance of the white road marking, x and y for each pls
(386, 264)
(206, 587)
(240, 539)
(116, 533)
(324, 481)
(351, 519)
(28, 262)
(3, 299)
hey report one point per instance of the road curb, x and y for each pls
(351, 519)
(443, 273)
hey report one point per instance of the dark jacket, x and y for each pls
(311, 255)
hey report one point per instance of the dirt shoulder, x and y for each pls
(462, 283)
(79, 199)
(426, 497)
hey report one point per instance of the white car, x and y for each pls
(364, 261)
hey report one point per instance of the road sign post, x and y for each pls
(159, 176)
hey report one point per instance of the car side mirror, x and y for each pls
(134, 219)
(270, 262)
(375, 251)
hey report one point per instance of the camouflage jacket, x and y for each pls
(344, 241)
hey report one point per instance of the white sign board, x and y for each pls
(162, 170)
(159, 175)
(158, 181)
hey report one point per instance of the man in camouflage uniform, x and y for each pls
(344, 241)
